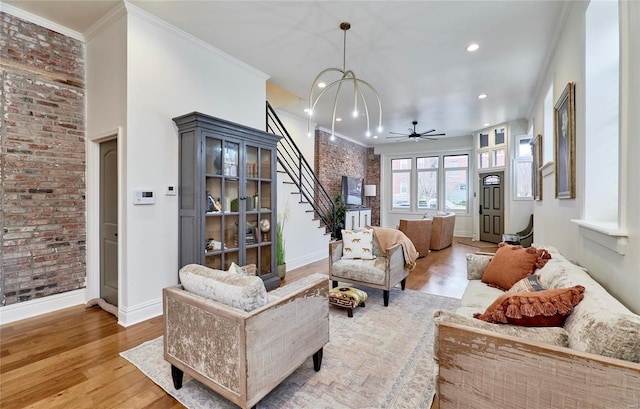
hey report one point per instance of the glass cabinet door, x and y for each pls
(238, 221)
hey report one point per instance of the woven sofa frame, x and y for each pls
(481, 369)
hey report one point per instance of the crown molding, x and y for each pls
(151, 19)
(43, 22)
(107, 20)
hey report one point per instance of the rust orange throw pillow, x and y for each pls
(547, 308)
(511, 264)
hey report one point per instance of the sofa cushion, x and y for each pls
(366, 271)
(550, 335)
(357, 244)
(534, 309)
(477, 297)
(510, 264)
(235, 290)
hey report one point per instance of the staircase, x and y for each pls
(302, 175)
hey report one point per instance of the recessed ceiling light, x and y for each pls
(472, 47)
(482, 96)
(487, 124)
(321, 85)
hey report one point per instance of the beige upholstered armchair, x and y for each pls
(382, 272)
(244, 355)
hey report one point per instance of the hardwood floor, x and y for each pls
(70, 358)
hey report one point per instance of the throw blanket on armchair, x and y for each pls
(388, 237)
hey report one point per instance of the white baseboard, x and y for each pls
(128, 316)
(307, 259)
(39, 306)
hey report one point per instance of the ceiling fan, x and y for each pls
(415, 136)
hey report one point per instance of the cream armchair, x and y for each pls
(244, 355)
(383, 272)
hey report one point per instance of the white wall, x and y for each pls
(305, 240)
(106, 54)
(168, 73)
(620, 274)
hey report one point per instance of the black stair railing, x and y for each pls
(302, 174)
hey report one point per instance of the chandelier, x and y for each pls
(348, 77)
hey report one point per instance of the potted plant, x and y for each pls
(280, 250)
(338, 222)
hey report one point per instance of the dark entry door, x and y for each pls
(491, 206)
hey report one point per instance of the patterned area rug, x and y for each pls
(380, 358)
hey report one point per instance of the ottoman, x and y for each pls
(348, 298)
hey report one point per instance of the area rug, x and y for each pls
(478, 244)
(380, 358)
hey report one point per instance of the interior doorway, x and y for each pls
(108, 203)
(491, 206)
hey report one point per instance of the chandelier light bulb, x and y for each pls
(355, 113)
(379, 129)
(368, 134)
(322, 84)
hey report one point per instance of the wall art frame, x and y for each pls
(564, 118)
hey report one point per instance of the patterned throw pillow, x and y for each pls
(547, 308)
(476, 264)
(249, 269)
(357, 244)
(527, 284)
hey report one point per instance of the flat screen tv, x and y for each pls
(352, 191)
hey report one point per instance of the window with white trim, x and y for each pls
(430, 182)
(456, 178)
(523, 168)
(400, 182)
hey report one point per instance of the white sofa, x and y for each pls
(589, 362)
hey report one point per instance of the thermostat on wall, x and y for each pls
(142, 197)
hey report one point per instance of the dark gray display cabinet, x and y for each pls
(227, 195)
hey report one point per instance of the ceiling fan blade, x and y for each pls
(426, 132)
(396, 137)
(435, 134)
(398, 133)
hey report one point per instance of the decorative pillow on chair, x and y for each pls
(357, 244)
(235, 290)
(249, 269)
(547, 308)
(510, 264)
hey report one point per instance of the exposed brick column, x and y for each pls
(341, 157)
(42, 170)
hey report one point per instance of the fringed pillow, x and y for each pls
(547, 308)
(511, 264)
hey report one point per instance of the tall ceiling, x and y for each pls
(412, 52)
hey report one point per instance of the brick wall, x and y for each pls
(42, 170)
(341, 157)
